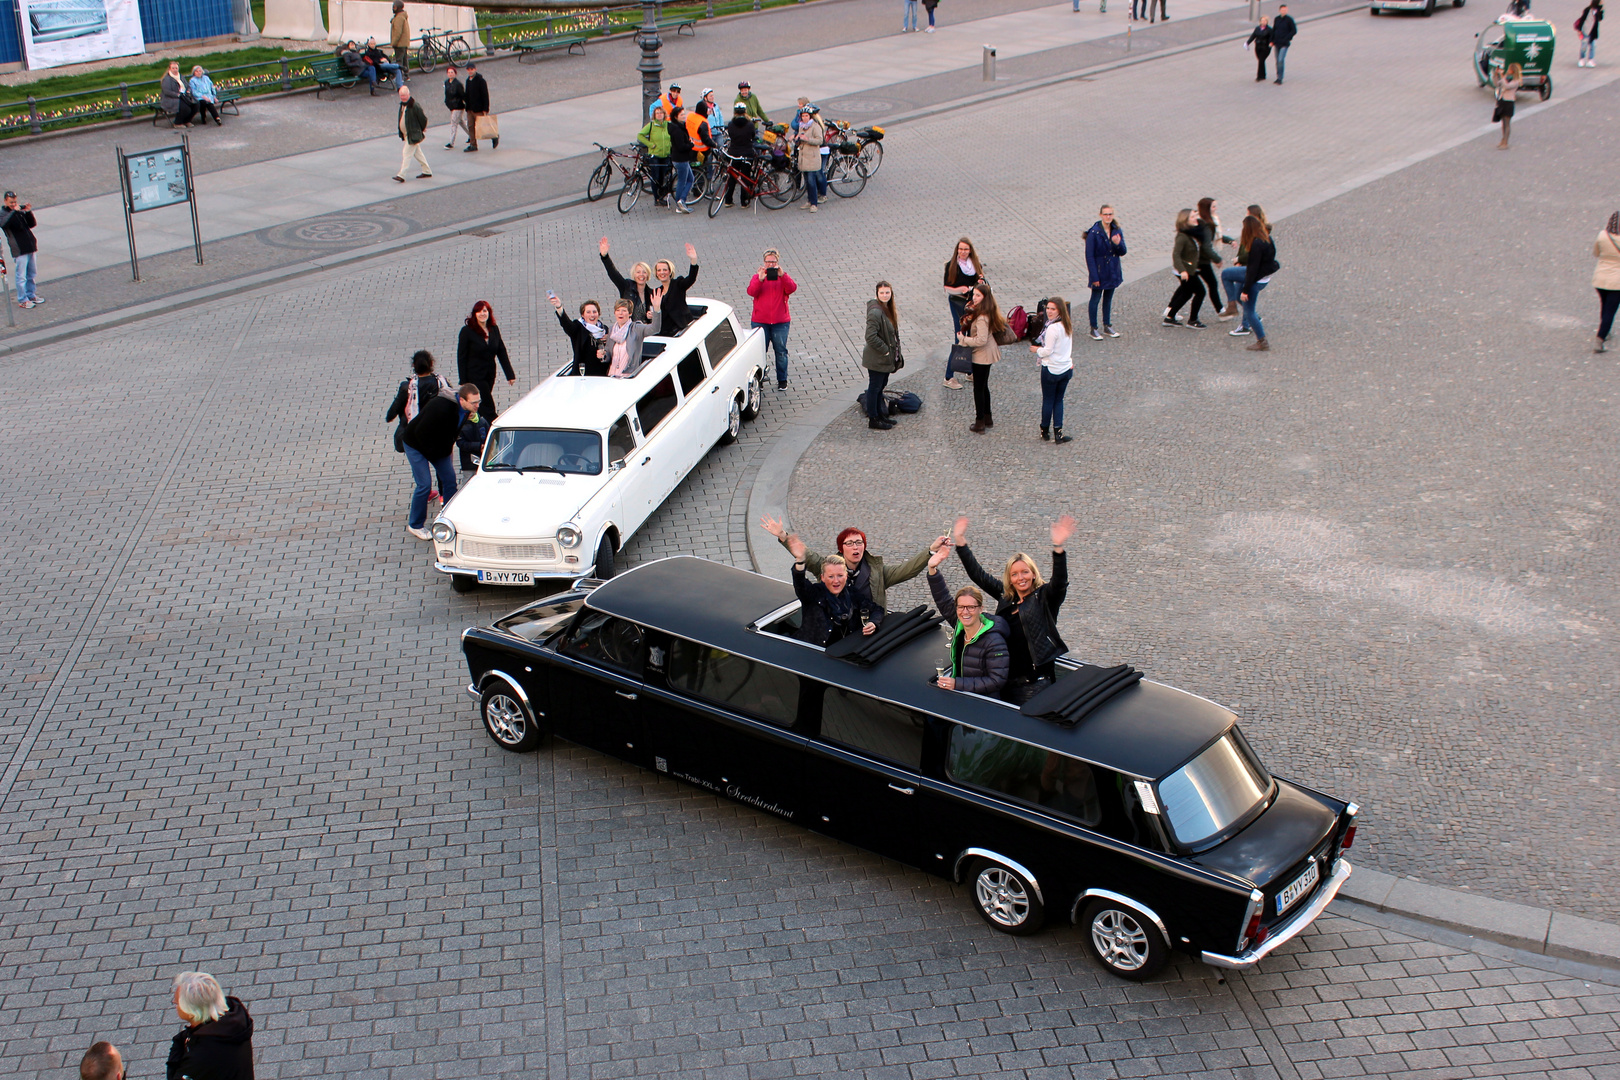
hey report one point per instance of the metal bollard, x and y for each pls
(989, 64)
(286, 76)
(1254, 11)
(123, 101)
(708, 10)
(33, 116)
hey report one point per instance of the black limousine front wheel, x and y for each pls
(507, 719)
(1123, 939)
(1005, 899)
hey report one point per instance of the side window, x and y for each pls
(621, 440)
(721, 340)
(736, 682)
(1030, 774)
(606, 642)
(691, 373)
(875, 727)
(657, 403)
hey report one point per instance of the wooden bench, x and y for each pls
(331, 71)
(534, 46)
(688, 24)
(227, 100)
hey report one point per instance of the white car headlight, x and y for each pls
(443, 531)
(568, 536)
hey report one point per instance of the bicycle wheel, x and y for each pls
(631, 191)
(699, 186)
(597, 186)
(427, 58)
(872, 157)
(717, 199)
(845, 176)
(770, 191)
(458, 53)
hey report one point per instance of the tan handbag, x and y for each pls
(488, 126)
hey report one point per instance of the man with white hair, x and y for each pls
(217, 1042)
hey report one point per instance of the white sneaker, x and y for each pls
(420, 534)
(930, 30)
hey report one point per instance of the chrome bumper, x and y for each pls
(1289, 928)
(472, 692)
(567, 574)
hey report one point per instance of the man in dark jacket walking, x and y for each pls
(18, 223)
(429, 439)
(217, 1042)
(477, 105)
(1282, 36)
(412, 131)
(455, 99)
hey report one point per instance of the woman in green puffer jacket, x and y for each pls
(655, 137)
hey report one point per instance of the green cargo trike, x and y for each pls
(1526, 42)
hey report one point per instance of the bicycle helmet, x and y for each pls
(740, 109)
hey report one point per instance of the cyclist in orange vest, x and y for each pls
(667, 102)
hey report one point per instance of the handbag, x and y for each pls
(961, 357)
(899, 360)
(488, 126)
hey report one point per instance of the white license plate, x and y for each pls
(505, 577)
(1298, 887)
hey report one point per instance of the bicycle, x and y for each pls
(846, 173)
(757, 181)
(455, 50)
(612, 159)
(640, 180)
(868, 140)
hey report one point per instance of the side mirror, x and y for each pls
(615, 466)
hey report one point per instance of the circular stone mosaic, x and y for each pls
(337, 230)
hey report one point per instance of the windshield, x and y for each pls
(545, 450)
(1213, 790)
(536, 622)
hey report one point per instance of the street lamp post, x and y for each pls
(651, 67)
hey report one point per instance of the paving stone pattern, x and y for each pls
(236, 737)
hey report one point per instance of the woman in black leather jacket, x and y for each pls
(1027, 604)
(829, 610)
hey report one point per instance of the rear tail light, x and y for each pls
(1255, 932)
(1349, 838)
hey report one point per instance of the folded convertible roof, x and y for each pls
(1072, 698)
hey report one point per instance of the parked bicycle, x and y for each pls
(755, 180)
(437, 45)
(868, 140)
(626, 161)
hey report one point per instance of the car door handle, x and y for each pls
(646, 459)
(714, 390)
(903, 790)
(627, 696)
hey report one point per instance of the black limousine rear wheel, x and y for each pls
(507, 719)
(1005, 899)
(1123, 939)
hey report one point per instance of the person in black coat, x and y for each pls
(1028, 604)
(1283, 32)
(1261, 264)
(676, 316)
(477, 99)
(586, 334)
(428, 442)
(455, 99)
(740, 136)
(829, 610)
(1260, 41)
(217, 1041)
(477, 351)
(636, 288)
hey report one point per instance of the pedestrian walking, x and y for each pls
(478, 115)
(981, 322)
(429, 439)
(101, 1062)
(1209, 256)
(654, 139)
(1507, 85)
(1105, 243)
(455, 99)
(1606, 278)
(1184, 263)
(810, 138)
(980, 659)
(1262, 263)
(930, 5)
(635, 289)
(478, 349)
(204, 96)
(1260, 42)
(1027, 606)
(399, 39)
(747, 97)
(770, 287)
(676, 315)
(881, 356)
(413, 125)
(413, 393)
(1054, 350)
(586, 335)
(962, 271)
(681, 154)
(1233, 277)
(1283, 32)
(908, 17)
(18, 222)
(175, 98)
(217, 1041)
(1586, 25)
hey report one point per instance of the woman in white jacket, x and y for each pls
(1053, 348)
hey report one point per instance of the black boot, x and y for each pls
(879, 425)
(1046, 436)
(1060, 437)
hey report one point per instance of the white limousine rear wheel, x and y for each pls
(752, 398)
(733, 424)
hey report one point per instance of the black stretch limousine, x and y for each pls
(1136, 809)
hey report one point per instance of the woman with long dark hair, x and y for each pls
(1209, 259)
(981, 322)
(962, 271)
(1184, 261)
(477, 351)
(881, 354)
(1261, 264)
(1054, 350)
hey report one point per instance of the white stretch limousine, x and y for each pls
(571, 471)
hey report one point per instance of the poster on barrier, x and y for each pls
(57, 32)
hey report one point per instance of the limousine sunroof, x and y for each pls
(1074, 697)
(893, 632)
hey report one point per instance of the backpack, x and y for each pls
(1017, 323)
(902, 401)
(413, 404)
(1037, 321)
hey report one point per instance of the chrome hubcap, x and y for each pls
(1120, 940)
(504, 718)
(753, 392)
(1001, 896)
(734, 420)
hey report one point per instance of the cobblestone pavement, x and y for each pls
(236, 738)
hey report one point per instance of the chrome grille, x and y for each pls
(495, 549)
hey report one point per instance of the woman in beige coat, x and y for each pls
(809, 137)
(981, 322)
(1606, 278)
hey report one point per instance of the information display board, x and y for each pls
(57, 32)
(157, 178)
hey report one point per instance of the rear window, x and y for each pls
(1214, 790)
(876, 727)
(1029, 774)
(736, 682)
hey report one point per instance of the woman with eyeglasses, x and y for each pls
(1028, 604)
(979, 656)
(829, 610)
